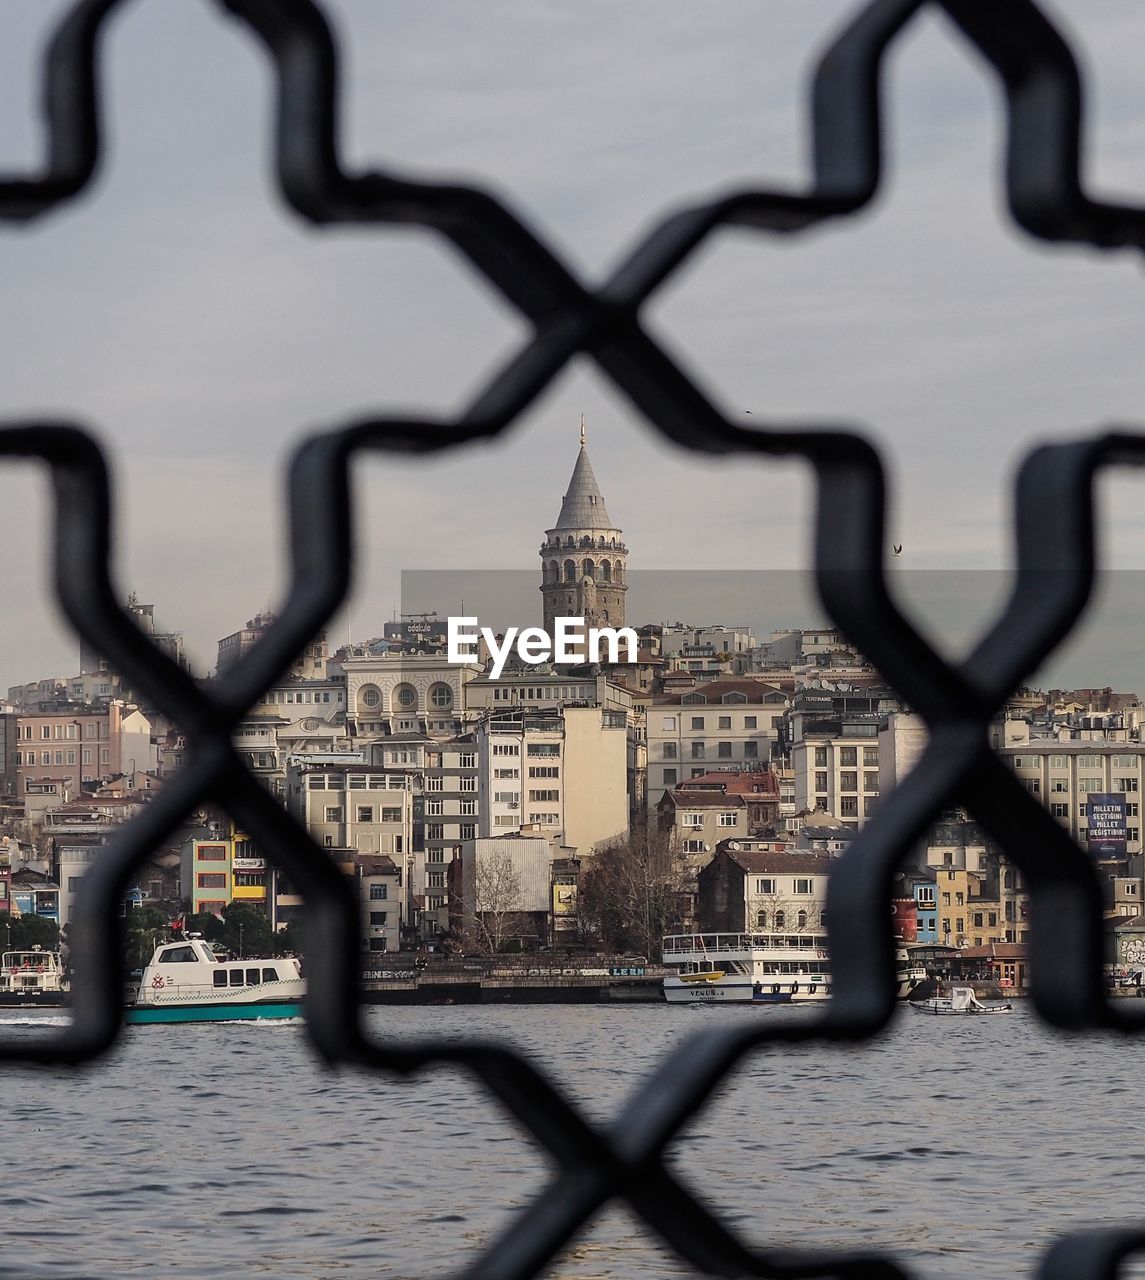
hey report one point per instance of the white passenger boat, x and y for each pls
(33, 977)
(186, 982)
(959, 1003)
(758, 968)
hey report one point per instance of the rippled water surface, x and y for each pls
(960, 1145)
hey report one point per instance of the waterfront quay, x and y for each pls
(402, 978)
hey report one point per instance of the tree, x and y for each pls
(631, 894)
(22, 933)
(144, 930)
(246, 930)
(497, 902)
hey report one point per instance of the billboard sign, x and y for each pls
(1107, 821)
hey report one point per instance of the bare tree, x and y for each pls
(497, 901)
(634, 892)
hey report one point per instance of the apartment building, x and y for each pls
(978, 897)
(1065, 773)
(742, 890)
(76, 745)
(717, 806)
(727, 723)
(836, 766)
(562, 773)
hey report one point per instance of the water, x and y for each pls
(959, 1145)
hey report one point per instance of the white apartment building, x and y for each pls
(724, 724)
(1064, 773)
(562, 774)
(836, 764)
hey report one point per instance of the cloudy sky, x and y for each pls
(200, 328)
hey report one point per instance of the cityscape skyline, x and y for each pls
(201, 338)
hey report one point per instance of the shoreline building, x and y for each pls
(584, 562)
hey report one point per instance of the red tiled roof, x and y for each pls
(760, 782)
(704, 800)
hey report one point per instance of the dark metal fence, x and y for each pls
(1055, 565)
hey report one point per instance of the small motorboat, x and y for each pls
(961, 1000)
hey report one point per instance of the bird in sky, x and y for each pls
(897, 548)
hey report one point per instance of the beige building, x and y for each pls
(724, 724)
(563, 773)
(353, 807)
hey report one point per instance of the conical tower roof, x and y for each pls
(583, 506)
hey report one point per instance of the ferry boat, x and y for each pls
(33, 977)
(759, 968)
(186, 982)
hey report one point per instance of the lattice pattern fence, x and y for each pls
(1055, 554)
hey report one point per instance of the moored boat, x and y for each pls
(759, 968)
(960, 1002)
(32, 977)
(186, 982)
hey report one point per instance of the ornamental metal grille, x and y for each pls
(1053, 580)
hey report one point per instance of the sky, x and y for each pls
(181, 312)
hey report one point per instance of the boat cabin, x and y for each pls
(223, 973)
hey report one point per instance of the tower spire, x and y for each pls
(582, 441)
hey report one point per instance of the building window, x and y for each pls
(1060, 810)
(1131, 833)
(435, 808)
(365, 813)
(727, 819)
(820, 782)
(669, 751)
(749, 722)
(803, 887)
(468, 831)
(669, 777)
(470, 784)
(211, 853)
(848, 757)
(370, 696)
(724, 722)
(697, 750)
(333, 813)
(692, 820)
(871, 781)
(378, 917)
(724, 750)
(668, 723)
(1125, 784)
(697, 722)
(820, 757)
(849, 806)
(765, 885)
(435, 831)
(751, 750)
(211, 880)
(467, 808)
(434, 783)
(441, 696)
(391, 815)
(849, 781)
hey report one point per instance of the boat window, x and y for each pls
(220, 977)
(236, 977)
(178, 955)
(252, 977)
(270, 975)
